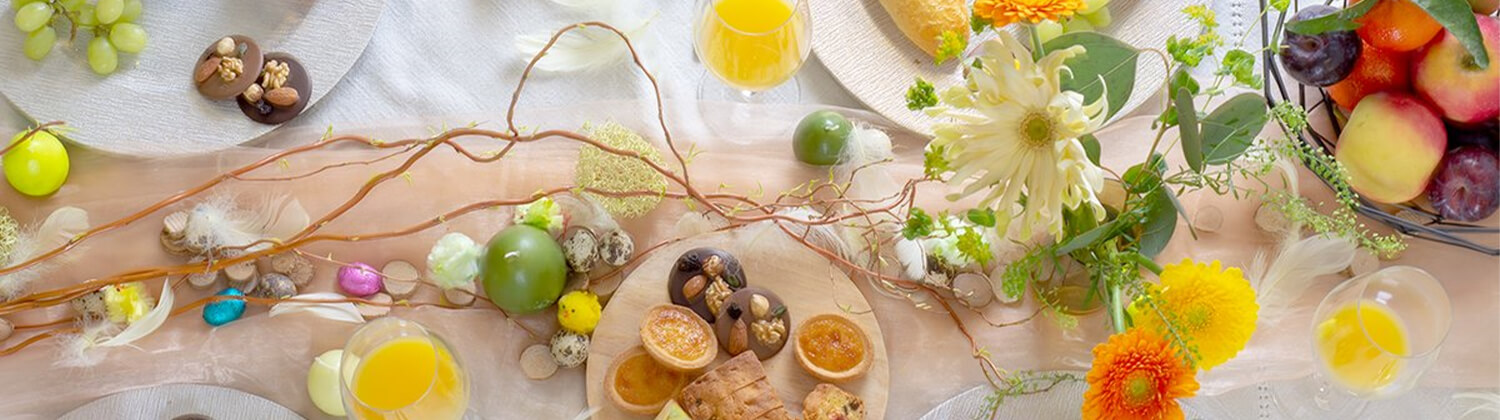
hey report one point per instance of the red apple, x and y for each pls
(1447, 76)
(1390, 147)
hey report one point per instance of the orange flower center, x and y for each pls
(1140, 389)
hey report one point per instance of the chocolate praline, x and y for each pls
(703, 279)
(297, 79)
(736, 326)
(249, 54)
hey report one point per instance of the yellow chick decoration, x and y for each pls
(578, 311)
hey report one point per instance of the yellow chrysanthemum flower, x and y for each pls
(1005, 12)
(127, 302)
(1213, 309)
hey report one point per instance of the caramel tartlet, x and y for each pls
(832, 348)
(638, 384)
(678, 339)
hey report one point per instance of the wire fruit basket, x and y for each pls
(1410, 218)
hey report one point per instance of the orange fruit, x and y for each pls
(1377, 70)
(1397, 25)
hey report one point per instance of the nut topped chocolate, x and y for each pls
(703, 279)
(753, 319)
(280, 93)
(227, 67)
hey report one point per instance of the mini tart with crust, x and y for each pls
(638, 384)
(678, 338)
(832, 348)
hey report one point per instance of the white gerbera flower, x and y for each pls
(1014, 132)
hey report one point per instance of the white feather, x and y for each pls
(584, 211)
(147, 324)
(583, 48)
(824, 236)
(77, 349)
(61, 226)
(913, 260)
(698, 223)
(340, 311)
(219, 222)
(1297, 265)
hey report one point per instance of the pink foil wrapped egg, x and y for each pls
(359, 279)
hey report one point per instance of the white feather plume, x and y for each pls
(697, 223)
(587, 5)
(77, 349)
(61, 226)
(220, 222)
(585, 212)
(870, 184)
(339, 311)
(584, 48)
(147, 324)
(1279, 282)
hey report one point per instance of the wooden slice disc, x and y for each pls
(536, 362)
(400, 279)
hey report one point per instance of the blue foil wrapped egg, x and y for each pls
(224, 311)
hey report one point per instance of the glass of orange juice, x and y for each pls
(1374, 335)
(752, 47)
(402, 371)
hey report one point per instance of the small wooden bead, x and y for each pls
(240, 273)
(401, 279)
(203, 280)
(537, 363)
(375, 311)
(460, 297)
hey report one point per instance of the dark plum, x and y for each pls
(1466, 187)
(1323, 59)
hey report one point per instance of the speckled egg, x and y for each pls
(570, 349)
(276, 286)
(359, 279)
(224, 311)
(581, 248)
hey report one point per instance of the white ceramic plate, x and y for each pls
(864, 50)
(182, 401)
(149, 106)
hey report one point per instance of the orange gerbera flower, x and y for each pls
(1137, 375)
(1005, 12)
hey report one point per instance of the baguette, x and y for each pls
(923, 21)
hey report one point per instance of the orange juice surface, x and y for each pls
(1350, 352)
(753, 44)
(411, 378)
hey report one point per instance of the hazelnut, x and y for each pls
(760, 306)
(225, 47)
(253, 93)
(713, 266)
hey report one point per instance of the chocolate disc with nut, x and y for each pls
(279, 104)
(218, 79)
(703, 279)
(753, 319)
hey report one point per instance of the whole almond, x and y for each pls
(207, 69)
(282, 97)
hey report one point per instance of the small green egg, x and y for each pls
(821, 137)
(37, 168)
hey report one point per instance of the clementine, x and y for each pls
(1397, 25)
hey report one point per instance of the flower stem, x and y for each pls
(1037, 50)
(1146, 262)
(1117, 307)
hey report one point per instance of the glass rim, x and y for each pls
(1424, 277)
(796, 5)
(432, 339)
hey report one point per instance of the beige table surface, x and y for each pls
(930, 360)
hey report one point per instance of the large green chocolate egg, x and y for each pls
(523, 269)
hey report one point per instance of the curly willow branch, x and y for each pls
(726, 205)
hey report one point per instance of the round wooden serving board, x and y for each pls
(807, 283)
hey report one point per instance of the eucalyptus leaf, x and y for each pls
(1230, 128)
(1087, 238)
(1161, 222)
(982, 217)
(1458, 18)
(1187, 127)
(1090, 147)
(1341, 21)
(1108, 66)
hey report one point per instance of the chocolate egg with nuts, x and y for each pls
(703, 279)
(753, 319)
(222, 76)
(285, 89)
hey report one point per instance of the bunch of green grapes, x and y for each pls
(111, 22)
